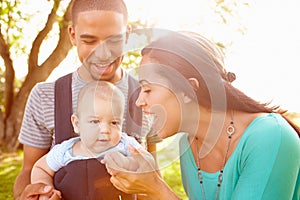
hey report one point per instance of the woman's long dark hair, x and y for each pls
(165, 51)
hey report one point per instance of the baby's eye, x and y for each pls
(95, 121)
(115, 123)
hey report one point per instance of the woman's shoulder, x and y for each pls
(271, 130)
(270, 124)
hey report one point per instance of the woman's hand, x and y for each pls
(137, 174)
(133, 174)
(51, 196)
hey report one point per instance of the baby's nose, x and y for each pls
(104, 127)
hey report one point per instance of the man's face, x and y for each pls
(99, 37)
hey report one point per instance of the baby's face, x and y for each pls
(100, 126)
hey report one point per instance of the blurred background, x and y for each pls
(260, 40)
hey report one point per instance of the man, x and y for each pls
(99, 30)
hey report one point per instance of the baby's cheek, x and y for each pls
(116, 137)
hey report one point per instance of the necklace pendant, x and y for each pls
(220, 179)
(230, 130)
(200, 177)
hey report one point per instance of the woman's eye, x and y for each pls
(147, 91)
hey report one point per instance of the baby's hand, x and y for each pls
(140, 161)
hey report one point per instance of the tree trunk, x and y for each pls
(11, 117)
(1, 128)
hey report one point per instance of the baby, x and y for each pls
(98, 121)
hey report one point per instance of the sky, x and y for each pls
(265, 57)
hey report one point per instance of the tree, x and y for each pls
(13, 92)
(14, 100)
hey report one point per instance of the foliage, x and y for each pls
(12, 22)
(169, 164)
(25, 31)
(20, 37)
(172, 176)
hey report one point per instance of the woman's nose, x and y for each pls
(140, 102)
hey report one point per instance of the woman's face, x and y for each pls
(158, 100)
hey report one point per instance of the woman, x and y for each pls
(232, 147)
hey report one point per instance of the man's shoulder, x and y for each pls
(131, 75)
(133, 82)
(44, 88)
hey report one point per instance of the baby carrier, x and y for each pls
(88, 179)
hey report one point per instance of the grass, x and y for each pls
(10, 166)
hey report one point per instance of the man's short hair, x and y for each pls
(118, 6)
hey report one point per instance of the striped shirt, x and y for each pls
(38, 122)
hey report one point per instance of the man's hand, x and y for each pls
(33, 192)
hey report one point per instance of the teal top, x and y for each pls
(264, 165)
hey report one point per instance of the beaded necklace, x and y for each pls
(230, 131)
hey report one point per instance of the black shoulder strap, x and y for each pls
(63, 108)
(134, 113)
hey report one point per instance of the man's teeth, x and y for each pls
(102, 65)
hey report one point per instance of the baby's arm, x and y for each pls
(42, 173)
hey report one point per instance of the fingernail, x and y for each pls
(47, 188)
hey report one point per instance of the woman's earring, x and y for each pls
(186, 99)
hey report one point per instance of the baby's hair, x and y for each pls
(104, 90)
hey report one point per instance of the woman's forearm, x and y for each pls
(159, 191)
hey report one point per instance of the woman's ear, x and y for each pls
(195, 83)
(75, 123)
(128, 31)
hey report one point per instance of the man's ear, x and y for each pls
(195, 83)
(75, 123)
(71, 32)
(128, 31)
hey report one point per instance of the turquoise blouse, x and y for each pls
(264, 165)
